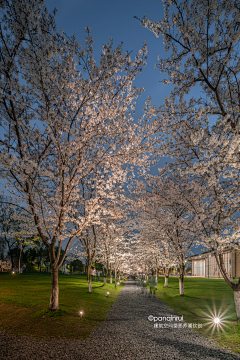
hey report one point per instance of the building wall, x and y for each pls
(236, 263)
(198, 267)
(210, 266)
(212, 269)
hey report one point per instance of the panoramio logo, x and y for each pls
(165, 318)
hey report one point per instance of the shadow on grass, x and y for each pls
(52, 314)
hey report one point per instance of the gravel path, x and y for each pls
(125, 334)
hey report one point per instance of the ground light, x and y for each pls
(81, 313)
(108, 293)
(216, 321)
(118, 283)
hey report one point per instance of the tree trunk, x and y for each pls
(10, 252)
(89, 285)
(181, 286)
(110, 273)
(105, 276)
(181, 277)
(156, 279)
(237, 303)
(19, 260)
(231, 283)
(166, 273)
(115, 270)
(89, 279)
(54, 300)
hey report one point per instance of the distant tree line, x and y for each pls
(21, 250)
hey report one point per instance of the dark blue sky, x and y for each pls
(111, 18)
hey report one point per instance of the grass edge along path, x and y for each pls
(204, 299)
(24, 303)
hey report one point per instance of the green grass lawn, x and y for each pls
(203, 299)
(24, 303)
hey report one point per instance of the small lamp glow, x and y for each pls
(118, 283)
(81, 313)
(108, 293)
(216, 321)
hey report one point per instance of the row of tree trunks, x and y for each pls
(181, 278)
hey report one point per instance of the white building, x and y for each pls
(205, 264)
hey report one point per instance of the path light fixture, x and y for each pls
(107, 294)
(118, 283)
(218, 322)
(81, 313)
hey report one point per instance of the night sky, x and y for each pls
(115, 19)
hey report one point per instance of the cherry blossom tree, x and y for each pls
(202, 133)
(89, 242)
(87, 249)
(112, 250)
(63, 117)
(169, 225)
(167, 261)
(176, 225)
(148, 245)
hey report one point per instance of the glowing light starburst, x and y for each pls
(216, 320)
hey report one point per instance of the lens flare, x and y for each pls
(216, 319)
